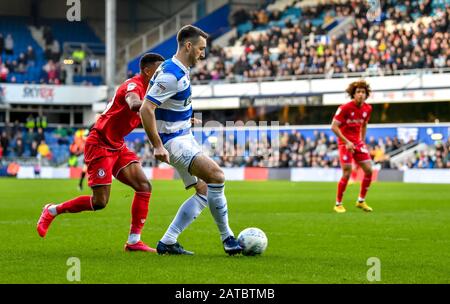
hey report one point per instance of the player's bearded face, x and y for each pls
(197, 50)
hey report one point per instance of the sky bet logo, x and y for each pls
(39, 93)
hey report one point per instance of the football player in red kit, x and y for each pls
(106, 155)
(350, 126)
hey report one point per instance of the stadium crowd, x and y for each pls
(411, 35)
(293, 150)
(52, 146)
(20, 60)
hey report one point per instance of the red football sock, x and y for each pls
(342, 185)
(139, 211)
(365, 185)
(81, 203)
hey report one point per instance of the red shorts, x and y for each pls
(103, 163)
(360, 154)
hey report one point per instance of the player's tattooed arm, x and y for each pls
(134, 102)
(335, 128)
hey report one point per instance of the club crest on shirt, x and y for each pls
(353, 113)
(364, 114)
(101, 173)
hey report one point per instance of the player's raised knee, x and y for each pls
(217, 176)
(99, 203)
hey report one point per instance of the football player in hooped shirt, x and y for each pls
(166, 116)
(106, 155)
(350, 126)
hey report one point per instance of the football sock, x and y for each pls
(218, 206)
(139, 212)
(186, 214)
(338, 203)
(365, 186)
(342, 185)
(79, 204)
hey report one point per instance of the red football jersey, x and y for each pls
(117, 121)
(352, 118)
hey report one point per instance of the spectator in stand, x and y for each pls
(39, 136)
(51, 71)
(31, 56)
(30, 123)
(61, 135)
(48, 35)
(55, 50)
(41, 122)
(22, 63)
(4, 142)
(4, 72)
(9, 45)
(44, 150)
(2, 44)
(33, 148)
(28, 138)
(19, 149)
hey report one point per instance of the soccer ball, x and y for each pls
(253, 241)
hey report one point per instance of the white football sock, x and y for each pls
(52, 210)
(218, 206)
(133, 238)
(186, 214)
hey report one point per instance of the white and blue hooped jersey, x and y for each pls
(170, 90)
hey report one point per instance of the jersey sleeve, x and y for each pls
(165, 86)
(132, 87)
(340, 114)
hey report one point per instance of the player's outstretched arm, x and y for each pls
(147, 112)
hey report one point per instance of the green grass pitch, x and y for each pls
(409, 232)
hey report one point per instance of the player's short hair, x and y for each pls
(358, 85)
(149, 59)
(190, 32)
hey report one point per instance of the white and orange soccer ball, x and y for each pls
(253, 241)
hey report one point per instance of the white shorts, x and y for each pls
(182, 151)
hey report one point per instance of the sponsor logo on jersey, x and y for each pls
(131, 86)
(355, 121)
(161, 86)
